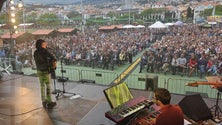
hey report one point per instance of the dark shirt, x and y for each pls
(202, 61)
(143, 60)
(43, 59)
(170, 115)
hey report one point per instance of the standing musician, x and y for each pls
(45, 64)
(168, 114)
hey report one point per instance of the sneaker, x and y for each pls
(50, 105)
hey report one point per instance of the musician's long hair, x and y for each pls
(38, 43)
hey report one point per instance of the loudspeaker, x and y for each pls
(151, 82)
(194, 107)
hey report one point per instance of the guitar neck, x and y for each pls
(209, 83)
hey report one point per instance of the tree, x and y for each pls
(48, 18)
(3, 18)
(31, 18)
(146, 13)
(74, 14)
(190, 13)
(168, 16)
(152, 11)
(208, 12)
(112, 14)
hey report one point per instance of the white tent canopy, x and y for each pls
(25, 24)
(178, 23)
(139, 26)
(169, 24)
(128, 26)
(132, 26)
(2, 25)
(157, 25)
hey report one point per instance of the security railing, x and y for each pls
(137, 81)
(71, 73)
(98, 77)
(179, 86)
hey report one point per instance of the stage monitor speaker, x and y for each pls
(151, 82)
(195, 108)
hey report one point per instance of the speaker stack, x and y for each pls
(195, 108)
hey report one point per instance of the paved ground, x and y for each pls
(20, 103)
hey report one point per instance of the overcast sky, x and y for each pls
(50, 1)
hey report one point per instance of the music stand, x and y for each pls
(63, 80)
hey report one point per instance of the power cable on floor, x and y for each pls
(14, 115)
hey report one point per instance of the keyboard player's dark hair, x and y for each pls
(162, 95)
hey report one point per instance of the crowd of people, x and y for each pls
(187, 47)
(100, 49)
(106, 50)
(182, 49)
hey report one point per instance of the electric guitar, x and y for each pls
(52, 67)
(195, 84)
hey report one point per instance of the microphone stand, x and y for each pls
(217, 109)
(63, 80)
(53, 76)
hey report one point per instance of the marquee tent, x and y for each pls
(13, 36)
(128, 26)
(139, 26)
(19, 37)
(112, 27)
(169, 24)
(25, 24)
(157, 25)
(42, 32)
(132, 26)
(178, 23)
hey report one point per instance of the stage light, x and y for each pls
(15, 27)
(12, 8)
(12, 14)
(12, 2)
(20, 5)
(13, 20)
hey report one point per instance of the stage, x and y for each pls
(21, 105)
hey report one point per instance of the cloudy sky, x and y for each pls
(50, 1)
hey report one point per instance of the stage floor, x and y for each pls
(20, 103)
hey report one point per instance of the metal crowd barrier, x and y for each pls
(178, 86)
(71, 73)
(137, 81)
(91, 76)
(98, 77)
(6, 62)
